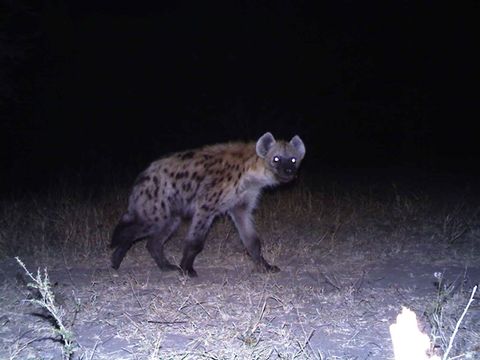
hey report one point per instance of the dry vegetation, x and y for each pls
(350, 256)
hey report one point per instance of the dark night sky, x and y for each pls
(104, 86)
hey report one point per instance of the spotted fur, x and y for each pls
(202, 184)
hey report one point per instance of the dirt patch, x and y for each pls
(349, 262)
(309, 310)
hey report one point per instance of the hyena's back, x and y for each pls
(178, 185)
(201, 184)
(203, 181)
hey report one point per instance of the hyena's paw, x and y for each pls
(188, 272)
(168, 267)
(265, 267)
(273, 269)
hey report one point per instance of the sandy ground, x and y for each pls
(334, 306)
(348, 265)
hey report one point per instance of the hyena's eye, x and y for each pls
(293, 160)
(276, 159)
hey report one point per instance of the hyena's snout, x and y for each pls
(286, 169)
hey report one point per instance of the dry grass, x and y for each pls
(334, 298)
(71, 222)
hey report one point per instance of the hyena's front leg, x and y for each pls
(195, 241)
(242, 217)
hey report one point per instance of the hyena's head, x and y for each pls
(281, 158)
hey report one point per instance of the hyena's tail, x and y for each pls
(127, 231)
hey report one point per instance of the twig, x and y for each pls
(16, 352)
(47, 301)
(262, 313)
(94, 349)
(165, 322)
(136, 297)
(450, 344)
(202, 307)
(329, 281)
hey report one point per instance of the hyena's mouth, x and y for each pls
(283, 178)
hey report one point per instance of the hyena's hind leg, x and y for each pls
(157, 240)
(195, 241)
(127, 231)
(242, 217)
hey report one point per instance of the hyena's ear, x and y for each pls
(298, 144)
(264, 144)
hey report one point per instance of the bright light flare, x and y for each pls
(409, 343)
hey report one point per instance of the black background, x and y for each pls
(97, 89)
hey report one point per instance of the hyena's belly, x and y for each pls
(155, 205)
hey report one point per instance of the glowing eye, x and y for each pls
(293, 160)
(276, 159)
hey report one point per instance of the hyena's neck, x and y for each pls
(256, 173)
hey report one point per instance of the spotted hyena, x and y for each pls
(202, 184)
